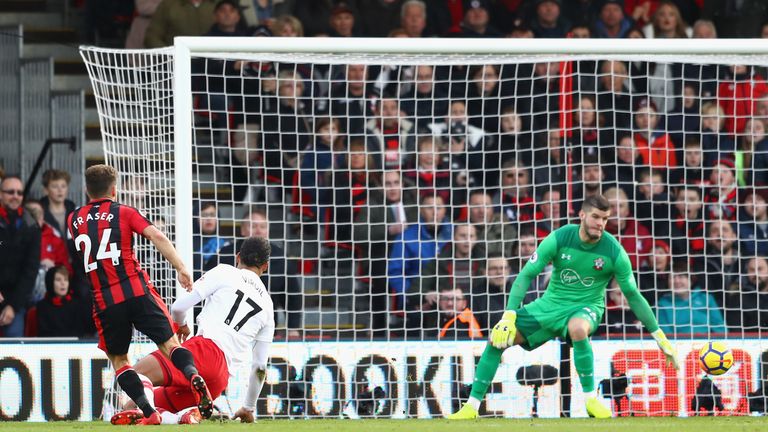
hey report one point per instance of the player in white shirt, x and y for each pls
(236, 322)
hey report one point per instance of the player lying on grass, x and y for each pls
(585, 259)
(237, 321)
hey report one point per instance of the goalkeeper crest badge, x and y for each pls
(534, 258)
(599, 263)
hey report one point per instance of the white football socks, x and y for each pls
(475, 402)
(169, 417)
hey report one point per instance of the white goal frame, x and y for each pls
(177, 71)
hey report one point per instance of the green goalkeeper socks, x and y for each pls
(486, 370)
(489, 363)
(584, 361)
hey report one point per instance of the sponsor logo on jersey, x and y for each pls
(599, 263)
(534, 257)
(570, 277)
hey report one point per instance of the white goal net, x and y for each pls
(402, 192)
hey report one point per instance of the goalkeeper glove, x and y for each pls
(667, 348)
(503, 333)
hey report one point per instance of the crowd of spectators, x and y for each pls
(418, 192)
(154, 23)
(43, 291)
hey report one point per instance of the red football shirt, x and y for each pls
(103, 234)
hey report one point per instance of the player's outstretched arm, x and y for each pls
(166, 248)
(255, 383)
(642, 309)
(257, 377)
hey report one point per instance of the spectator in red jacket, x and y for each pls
(654, 145)
(53, 249)
(722, 198)
(738, 96)
(634, 237)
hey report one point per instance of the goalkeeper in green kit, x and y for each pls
(584, 259)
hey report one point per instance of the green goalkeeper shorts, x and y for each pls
(542, 321)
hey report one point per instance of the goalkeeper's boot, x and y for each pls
(204, 399)
(596, 409)
(127, 417)
(467, 412)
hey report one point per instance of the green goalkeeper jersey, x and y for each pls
(581, 271)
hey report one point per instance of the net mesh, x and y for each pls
(133, 93)
(403, 193)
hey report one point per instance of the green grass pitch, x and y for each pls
(698, 424)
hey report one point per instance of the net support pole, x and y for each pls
(182, 122)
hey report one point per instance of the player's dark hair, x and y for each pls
(255, 251)
(99, 179)
(597, 202)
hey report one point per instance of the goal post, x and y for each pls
(213, 135)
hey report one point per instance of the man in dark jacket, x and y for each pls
(19, 256)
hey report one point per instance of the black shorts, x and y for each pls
(146, 313)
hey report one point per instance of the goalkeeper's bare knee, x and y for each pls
(578, 329)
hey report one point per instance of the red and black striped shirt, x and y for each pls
(103, 234)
